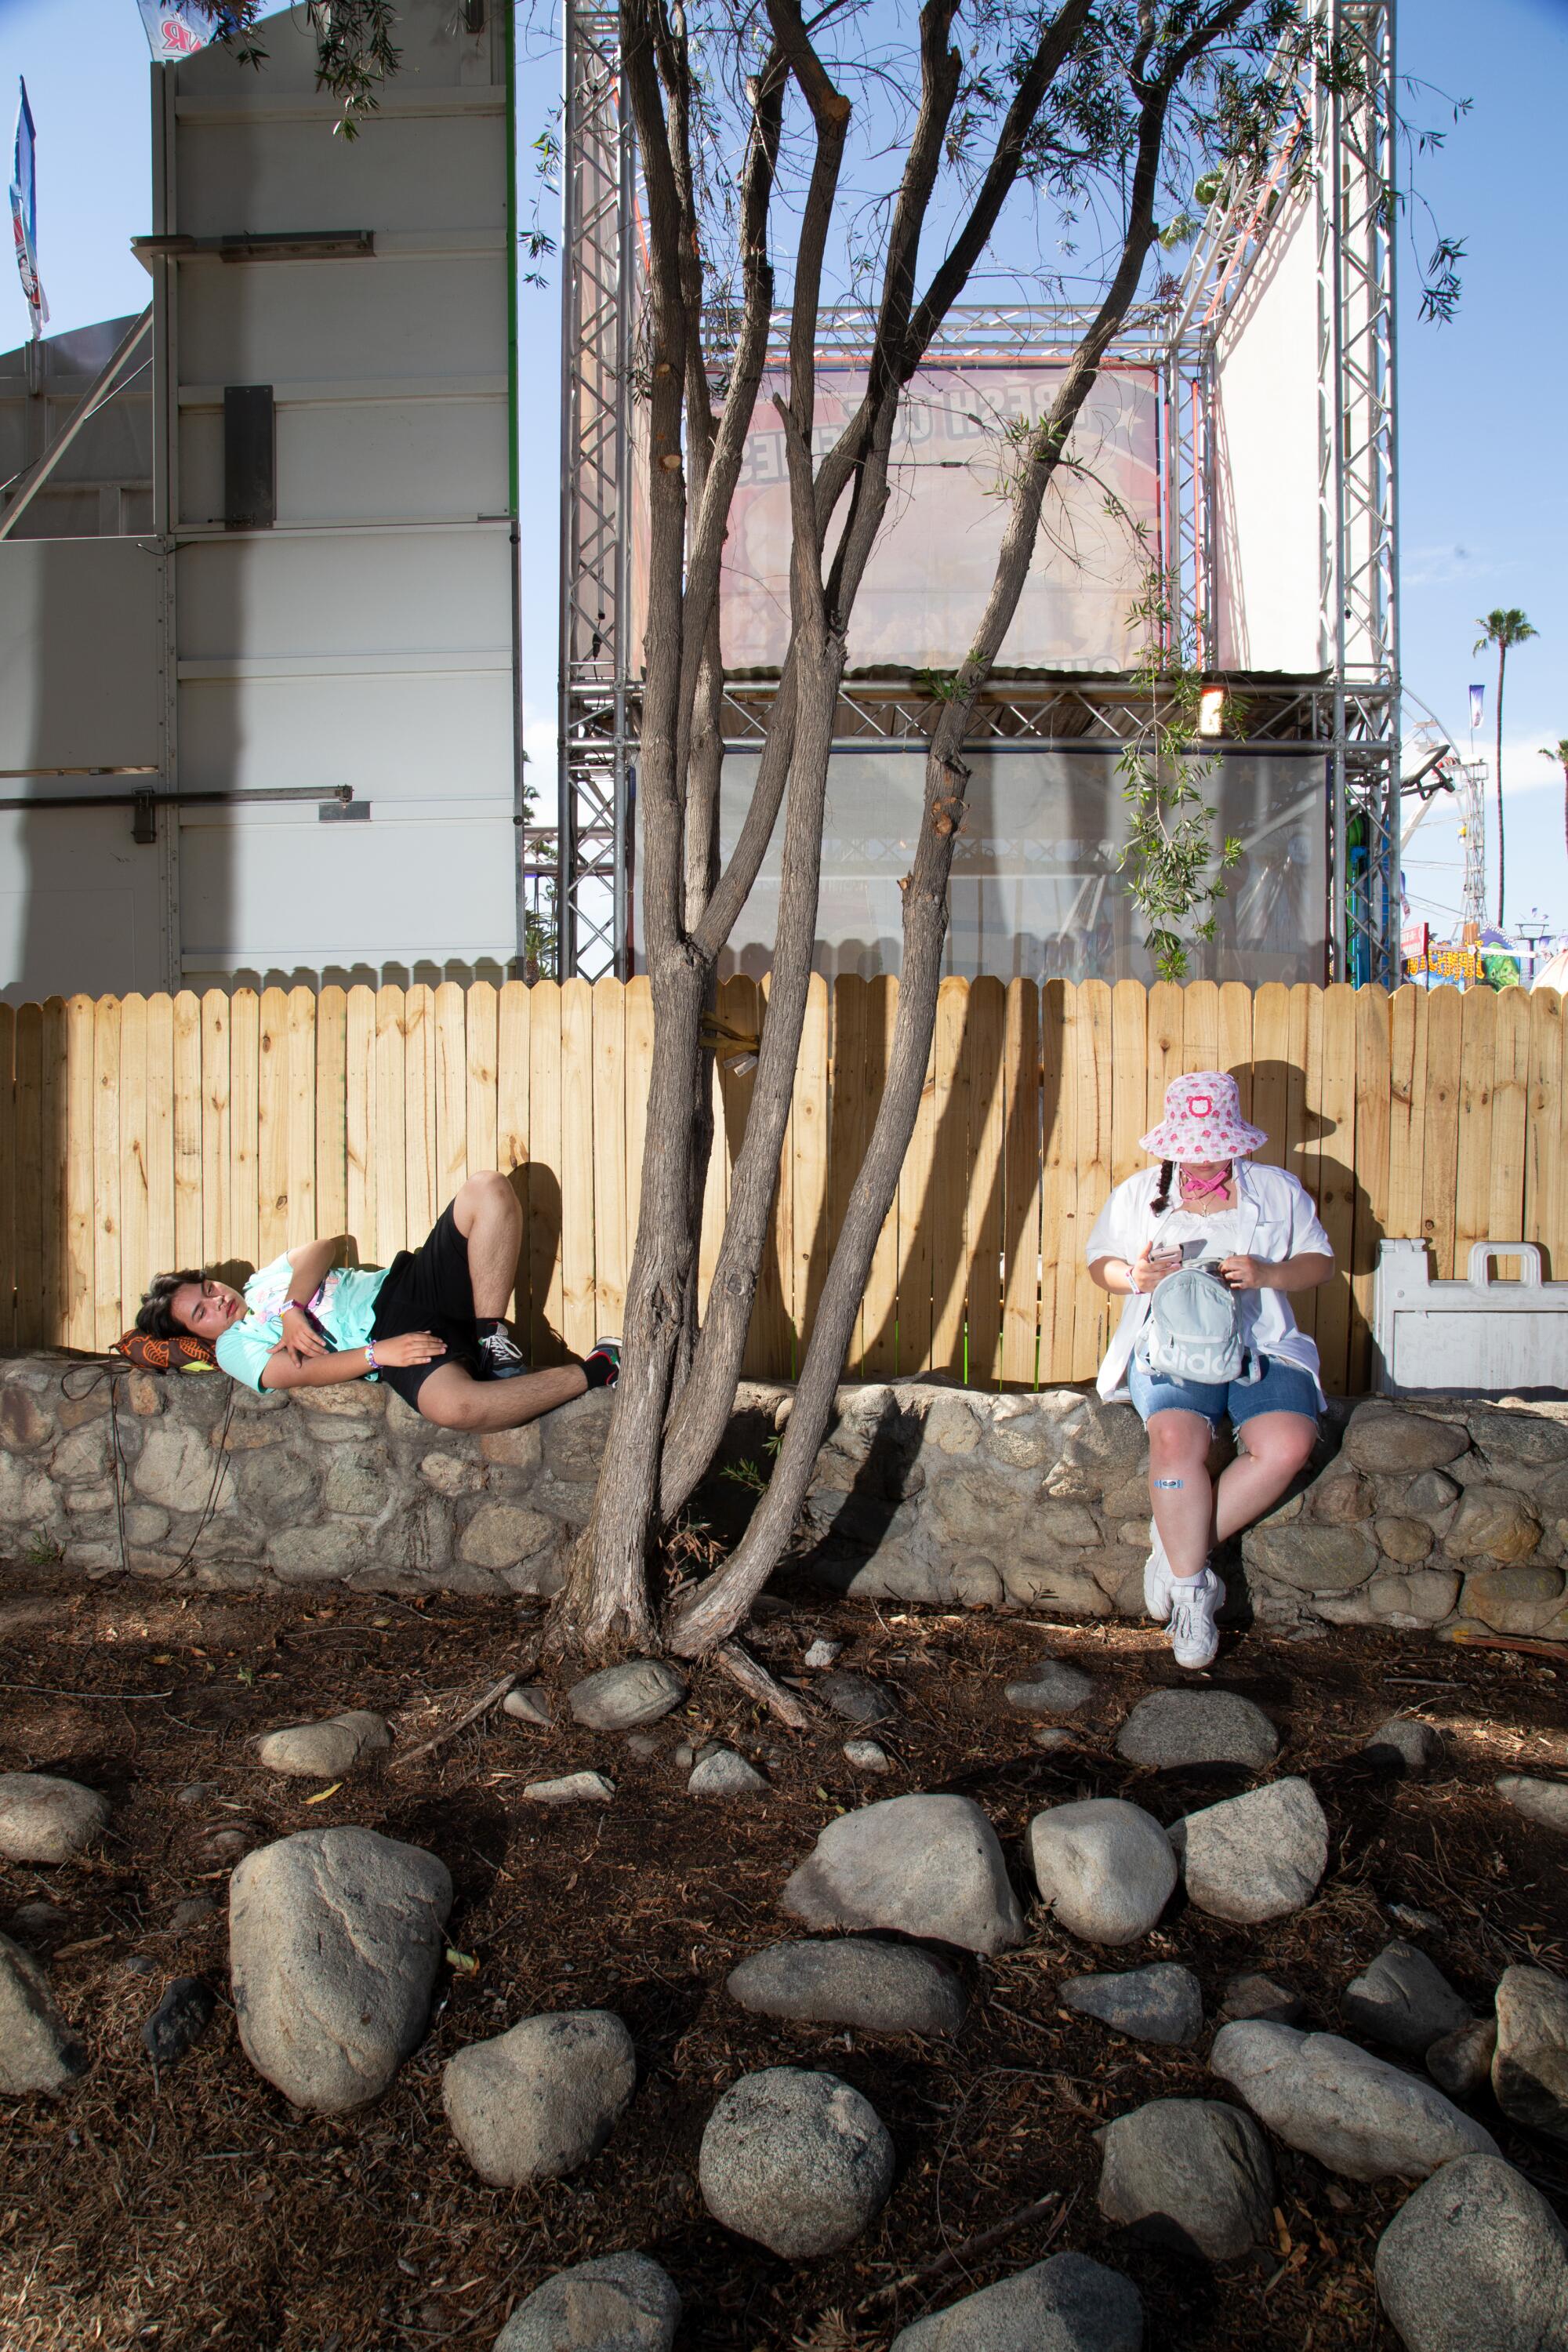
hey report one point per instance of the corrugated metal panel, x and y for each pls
(365, 639)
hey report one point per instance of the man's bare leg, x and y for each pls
(486, 1212)
(453, 1398)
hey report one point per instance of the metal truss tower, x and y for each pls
(1354, 135)
(1473, 827)
(598, 280)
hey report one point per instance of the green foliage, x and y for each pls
(355, 52)
(42, 1550)
(1172, 873)
(1503, 628)
(747, 1473)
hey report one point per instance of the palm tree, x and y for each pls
(1501, 629)
(1560, 756)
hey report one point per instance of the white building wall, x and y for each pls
(365, 637)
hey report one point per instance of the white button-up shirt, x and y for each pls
(1278, 1220)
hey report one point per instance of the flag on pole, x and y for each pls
(25, 216)
(1477, 697)
(175, 28)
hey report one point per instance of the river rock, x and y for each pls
(1388, 1442)
(38, 2052)
(617, 2303)
(181, 2017)
(1069, 2304)
(1404, 1744)
(1190, 2173)
(622, 1698)
(1163, 2002)
(822, 1653)
(852, 1980)
(924, 1865)
(868, 1756)
(1356, 2113)
(1105, 1867)
(335, 1937)
(529, 1703)
(1475, 2257)
(1251, 1995)
(1404, 1998)
(45, 1819)
(1544, 1803)
(855, 1699)
(40, 1922)
(1172, 1728)
(1529, 2069)
(722, 1773)
(571, 1789)
(798, 2161)
(1461, 2063)
(539, 2101)
(1257, 1856)
(1051, 1688)
(320, 1751)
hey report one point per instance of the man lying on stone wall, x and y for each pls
(431, 1326)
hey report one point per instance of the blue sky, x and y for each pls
(1484, 501)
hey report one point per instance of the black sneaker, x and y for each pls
(609, 1352)
(501, 1358)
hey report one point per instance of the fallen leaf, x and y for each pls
(462, 1960)
(322, 1794)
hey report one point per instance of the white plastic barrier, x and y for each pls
(1478, 1336)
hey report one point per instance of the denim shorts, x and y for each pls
(1284, 1388)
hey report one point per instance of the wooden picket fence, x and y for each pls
(138, 1133)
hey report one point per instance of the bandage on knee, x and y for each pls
(1161, 1483)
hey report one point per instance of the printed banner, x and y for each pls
(25, 216)
(929, 577)
(175, 28)
(1477, 697)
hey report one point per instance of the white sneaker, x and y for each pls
(1195, 1601)
(1156, 1578)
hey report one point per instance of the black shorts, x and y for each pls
(429, 1289)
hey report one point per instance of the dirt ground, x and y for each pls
(201, 2210)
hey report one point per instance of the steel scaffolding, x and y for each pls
(1341, 127)
(1354, 159)
(593, 843)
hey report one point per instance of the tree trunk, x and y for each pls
(606, 1606)
(709, 1615)
(709, 1397)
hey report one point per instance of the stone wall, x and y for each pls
(1410, 1516)
(1407, 1515)
(352, 1488)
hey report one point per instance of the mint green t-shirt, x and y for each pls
(344, 1307)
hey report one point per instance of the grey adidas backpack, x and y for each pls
(1193, 1330)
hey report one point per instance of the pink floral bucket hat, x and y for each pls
(1202, 1121)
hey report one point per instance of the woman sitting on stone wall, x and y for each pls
(1257, 1227)
(431, 1326)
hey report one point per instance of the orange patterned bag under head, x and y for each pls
(183, 1354)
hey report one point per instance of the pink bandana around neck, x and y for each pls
(1204, 1189)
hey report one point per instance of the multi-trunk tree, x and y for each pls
(787, 159)
(792, 159)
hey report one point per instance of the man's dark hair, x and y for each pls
(155, 1316)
